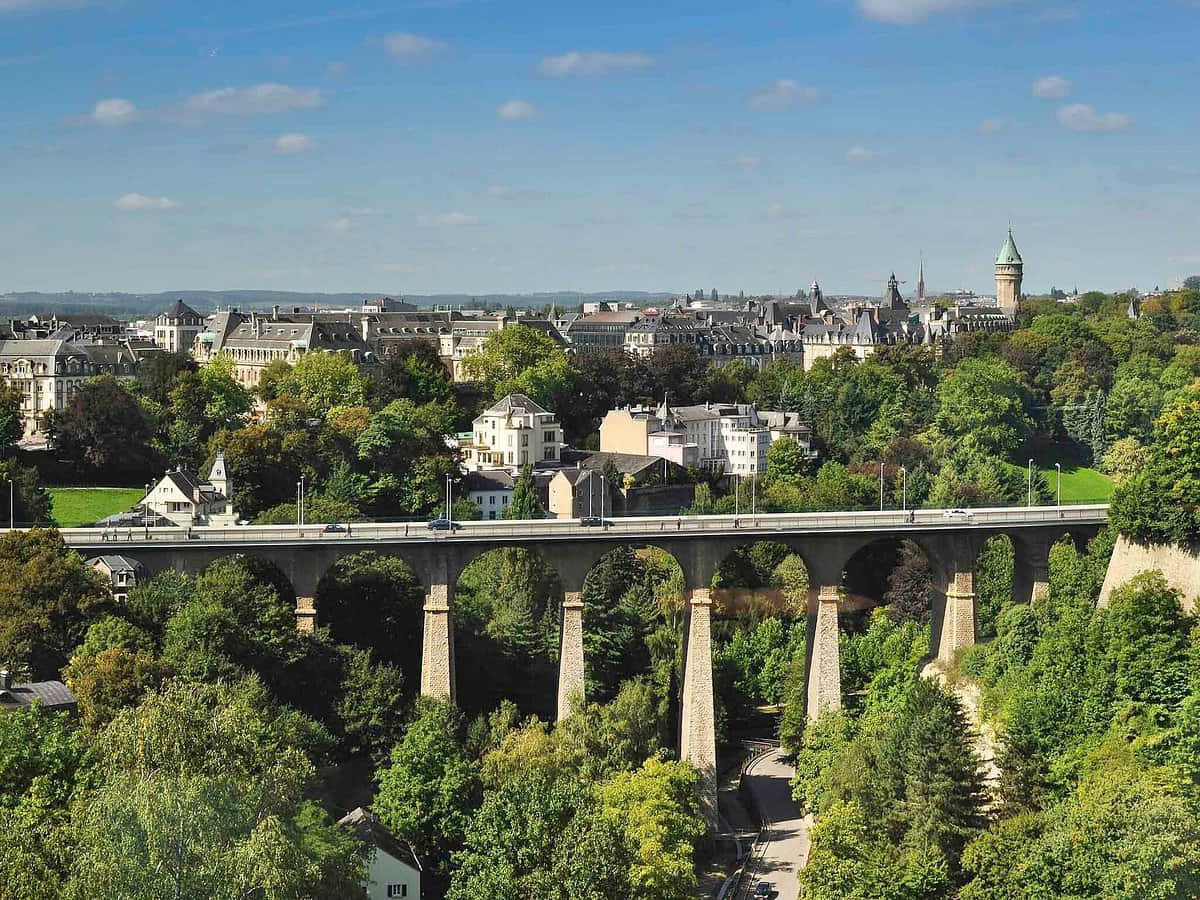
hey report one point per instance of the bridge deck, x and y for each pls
(764, 525)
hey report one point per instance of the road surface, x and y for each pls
(784, 845)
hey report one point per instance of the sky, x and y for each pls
(485, 147)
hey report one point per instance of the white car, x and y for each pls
(960, 515)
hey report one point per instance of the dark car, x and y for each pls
(443, 525)
(763, 889)
(334, 528)
(591, 521)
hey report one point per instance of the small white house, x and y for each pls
(184, 499)
(120, 571)
(393, 870)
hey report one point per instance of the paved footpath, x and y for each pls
(787, 846)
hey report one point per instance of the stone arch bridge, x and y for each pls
(826, 542)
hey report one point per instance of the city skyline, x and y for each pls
(436, 149)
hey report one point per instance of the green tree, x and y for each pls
(48, 597)
(786, 459)
(157, 373)
(12, 423)
(984, 404)
(103, 430)
(321, 381)
(31, 502)
(525, 503)
(428, 790)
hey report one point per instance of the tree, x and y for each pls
(507, 353)
(321, 381)
(984, 404)
(426, 793)
(103, 430)
(47, 599)
(113, 668)
(414, 371)
(31, 502)
(656, 807)
(910, 587)
(202, 794)
(157, 373)
(1124, 459)
(525, 503)
(12, 422)
(786, 459)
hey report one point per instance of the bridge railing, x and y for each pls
(648, 526)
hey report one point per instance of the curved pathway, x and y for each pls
(782, 849)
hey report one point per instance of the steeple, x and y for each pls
(1009, 255)
(921, 282)
(892, 299)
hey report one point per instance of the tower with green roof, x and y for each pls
(1009, 271)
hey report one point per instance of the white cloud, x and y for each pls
(1081, 117)
(257, 99)
(113, 111)
(134, 202)
(580, 63)
(780, 95)
(1052, 87)
(908, 12)
(407, 47)
(992, 126)
(293, 142)
(515, 109)
(339, 226)
(859, 153)
(747, 161)
(449, 220)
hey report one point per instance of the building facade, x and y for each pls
(512, 433)
(176, 328)
(183, 499)
(1010, 270)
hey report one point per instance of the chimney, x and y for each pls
(5, 679)
(275, 313)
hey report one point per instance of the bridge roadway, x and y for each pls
(825, 541)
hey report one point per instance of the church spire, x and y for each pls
(921, 281)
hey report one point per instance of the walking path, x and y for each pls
(783, 847)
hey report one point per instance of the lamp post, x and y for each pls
(449, 498)
(903, 489)
(1029, 484)
(1058, 468)
(300, 509)
(881, 485)
(12, 522)
(603, 494)
(298, 486)
(737, 483)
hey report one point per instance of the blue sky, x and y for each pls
(496, 147)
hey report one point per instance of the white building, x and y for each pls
(729, 437)
(515, 432)
(185, 500)
(176, 329)
(393, 870)
(491, 490)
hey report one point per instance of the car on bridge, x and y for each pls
(762, 890)
(443, 524)
(957, 515)
(592, 521)
(335, 528)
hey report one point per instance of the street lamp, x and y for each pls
(603, 494)
(903, 489)
(12, 523)
(300, 508)
(1029, 484)
(737, 483)
(299, 487)
(881, 485)
(449, 498)
(1059, 479)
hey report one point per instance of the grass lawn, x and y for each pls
(82, 506)
(1079, 484)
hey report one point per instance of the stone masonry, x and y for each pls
(570, 654)
(437, 645)
(697, 729)
(825, 676)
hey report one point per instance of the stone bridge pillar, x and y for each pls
(306, 614)
(437, 644)
(960, 613)
(570, 653)
(697, 728)
(1031, 570)
(824, 665)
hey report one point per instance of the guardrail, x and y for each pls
(635, 526)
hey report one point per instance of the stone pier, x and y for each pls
(824, 670)
(960, 614)
(697, 727)
(1031, 572)
(306, 614)
(570, 653)
(437, 644)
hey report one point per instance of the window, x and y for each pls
(547, 437)
(397, 890)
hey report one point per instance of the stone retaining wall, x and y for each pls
(1179, 565)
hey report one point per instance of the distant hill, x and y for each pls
(24, 303)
